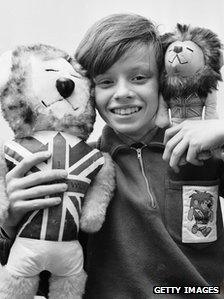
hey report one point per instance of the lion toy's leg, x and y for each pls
(66, 267)
(17, 287)
(70, 287)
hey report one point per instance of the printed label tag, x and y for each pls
(199, 214)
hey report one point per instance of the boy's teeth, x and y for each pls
(126, 111)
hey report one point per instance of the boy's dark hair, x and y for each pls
(109, 38)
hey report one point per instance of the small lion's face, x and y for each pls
(183, 58)
(56, 88)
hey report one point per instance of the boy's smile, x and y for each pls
(127, 93)
(126, 111)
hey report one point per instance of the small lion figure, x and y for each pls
(190, 74)
(46, 99)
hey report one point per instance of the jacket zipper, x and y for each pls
(139, 156)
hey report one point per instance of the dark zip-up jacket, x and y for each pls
(152, 235)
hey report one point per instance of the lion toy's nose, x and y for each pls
(65, 87)
(178, 49)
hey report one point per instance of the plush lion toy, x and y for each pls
(46, 100)
(191, 71)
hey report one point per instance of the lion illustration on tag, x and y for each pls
(201, 212)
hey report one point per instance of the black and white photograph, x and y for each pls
(111, 149)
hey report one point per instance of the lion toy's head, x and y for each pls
(43, 88)
(192, 63)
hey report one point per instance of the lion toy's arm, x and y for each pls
(98, 197)
(4, 201)
(162, 117)
(211, 106)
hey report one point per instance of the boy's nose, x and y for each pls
(65, 87)
(123, 90)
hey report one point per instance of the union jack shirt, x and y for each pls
(59, 223)
(187, 107)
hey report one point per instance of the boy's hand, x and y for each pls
(26, 193)
(191, 138)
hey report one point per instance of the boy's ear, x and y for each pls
(5, 67)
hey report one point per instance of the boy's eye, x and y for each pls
(139, 79)
(104, 83)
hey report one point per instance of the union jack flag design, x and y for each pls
(59, 223)
(187, 107)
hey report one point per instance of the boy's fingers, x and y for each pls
(192, 156)
(170, 145)
(169, 133)
(22, 207)
(27, 163)
(37, 178)
(38, 191)
(177, 153)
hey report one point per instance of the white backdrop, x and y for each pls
(62, 23)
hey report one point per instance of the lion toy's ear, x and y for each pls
(5, 67)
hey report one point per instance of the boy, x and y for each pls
(150, 236)
(148, 239)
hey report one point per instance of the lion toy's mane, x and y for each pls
(206, 79)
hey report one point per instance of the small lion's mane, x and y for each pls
(205, 80)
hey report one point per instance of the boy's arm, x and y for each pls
(191, 138)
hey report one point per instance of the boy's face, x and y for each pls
(127, 93)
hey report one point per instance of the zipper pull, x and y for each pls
(139, 153)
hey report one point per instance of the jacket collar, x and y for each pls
(111, 141)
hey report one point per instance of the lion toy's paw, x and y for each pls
(92, 221)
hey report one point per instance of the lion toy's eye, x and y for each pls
(51, 70)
